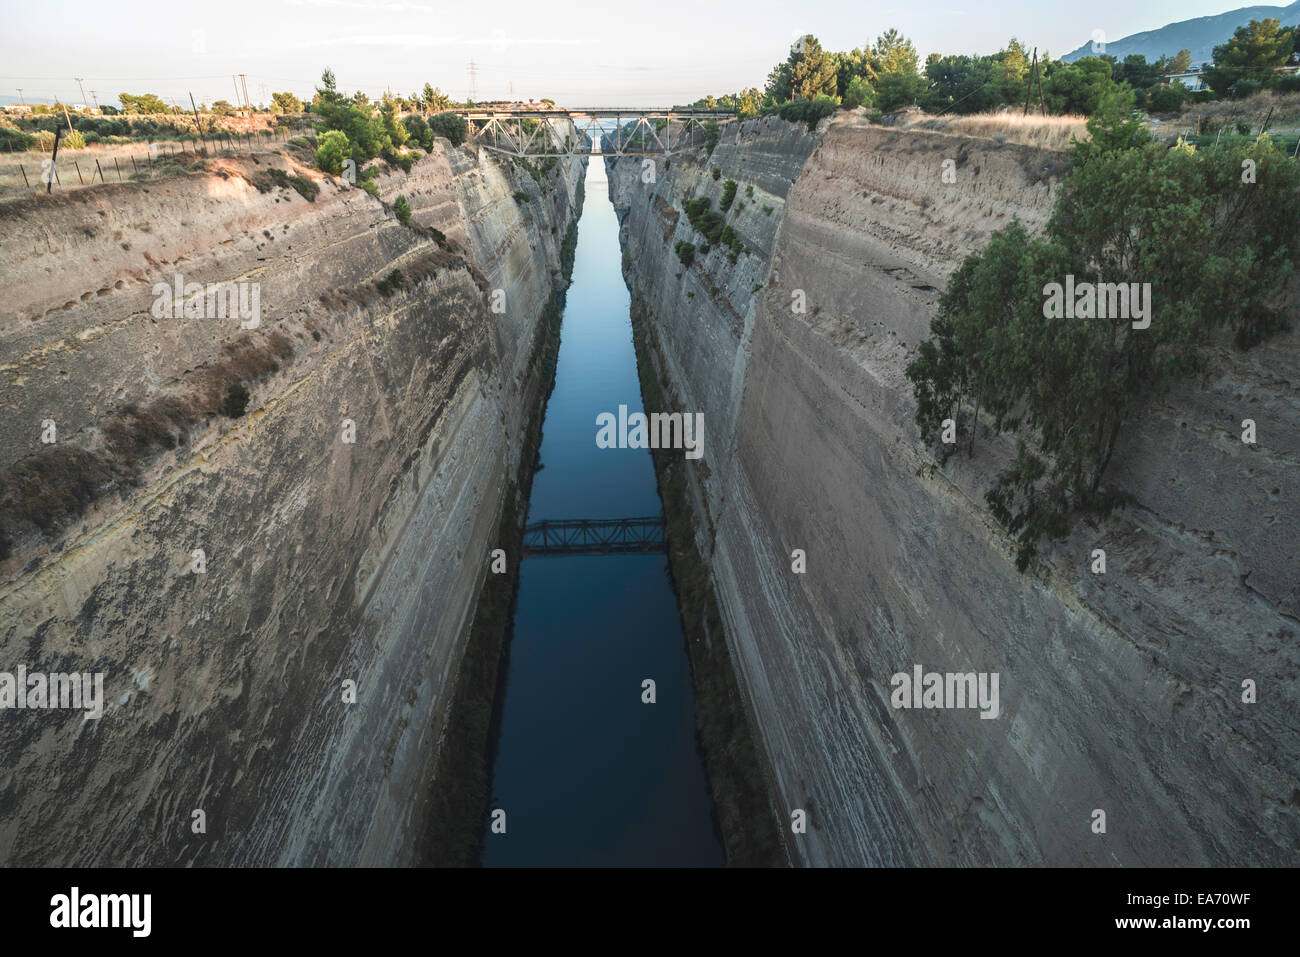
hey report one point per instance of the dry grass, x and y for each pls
(1044, 132)
(49, 490)
(414, 271)
(1208, 117)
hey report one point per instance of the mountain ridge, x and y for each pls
(1200, 34)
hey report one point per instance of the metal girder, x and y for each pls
(502, 131)
(584, 536)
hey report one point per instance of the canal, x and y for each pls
(586, 773)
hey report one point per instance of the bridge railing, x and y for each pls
(572, 132)
(595, 536)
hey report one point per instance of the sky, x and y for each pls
(577, 52)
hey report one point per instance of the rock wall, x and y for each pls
(326, 560)
(1120, 692)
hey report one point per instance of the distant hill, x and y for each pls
(1200, 35)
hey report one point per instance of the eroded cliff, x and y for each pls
(1120, 692)
(345, 519)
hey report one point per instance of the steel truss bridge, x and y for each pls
(588, 536)
(574, 132)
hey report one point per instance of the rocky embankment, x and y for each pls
(345, 518)
(1120, 692)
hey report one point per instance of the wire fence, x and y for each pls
(117, 163)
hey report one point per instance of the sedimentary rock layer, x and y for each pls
(326, 561)
(1119, 692)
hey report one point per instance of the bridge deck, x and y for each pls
(638, 131)
(586, 536)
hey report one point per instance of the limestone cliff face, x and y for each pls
(326, 560)
(1120, 692)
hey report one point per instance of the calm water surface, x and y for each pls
(586, 773)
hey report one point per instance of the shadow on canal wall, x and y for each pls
(468, 750)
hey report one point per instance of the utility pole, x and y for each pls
(1029, 80)
(1034, 75)
(96, 99)
(54, 157)
(84, 104)
(234, 80)
(243, 78)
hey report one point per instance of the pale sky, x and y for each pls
(580, 53)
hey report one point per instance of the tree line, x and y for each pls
(888, 75)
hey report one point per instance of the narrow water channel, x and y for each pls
(587, 773)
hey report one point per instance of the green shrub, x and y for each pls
(811, 111)
(711, 135)
(307, 189)
(236, 401)
(17, 140)
(332, 151)
(450, 125)
(394, 281)
(403, 210)
(728, 195)
(858, 93)
(1166, 98)
(268, 179)
(394, 158)
(685, 252)
(521, 197)
(370, 187)
(711, 225)
(717, 174)
(416, 127)
(1246, 87)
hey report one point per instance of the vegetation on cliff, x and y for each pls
(354, 128)
(1158, 249)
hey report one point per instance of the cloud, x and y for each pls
(388, 7)
(498, 41)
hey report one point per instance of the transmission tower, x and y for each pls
(473, 80)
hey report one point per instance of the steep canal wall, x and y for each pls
(345, 518)
(1120, 693)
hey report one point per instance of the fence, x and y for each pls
(114, 167)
